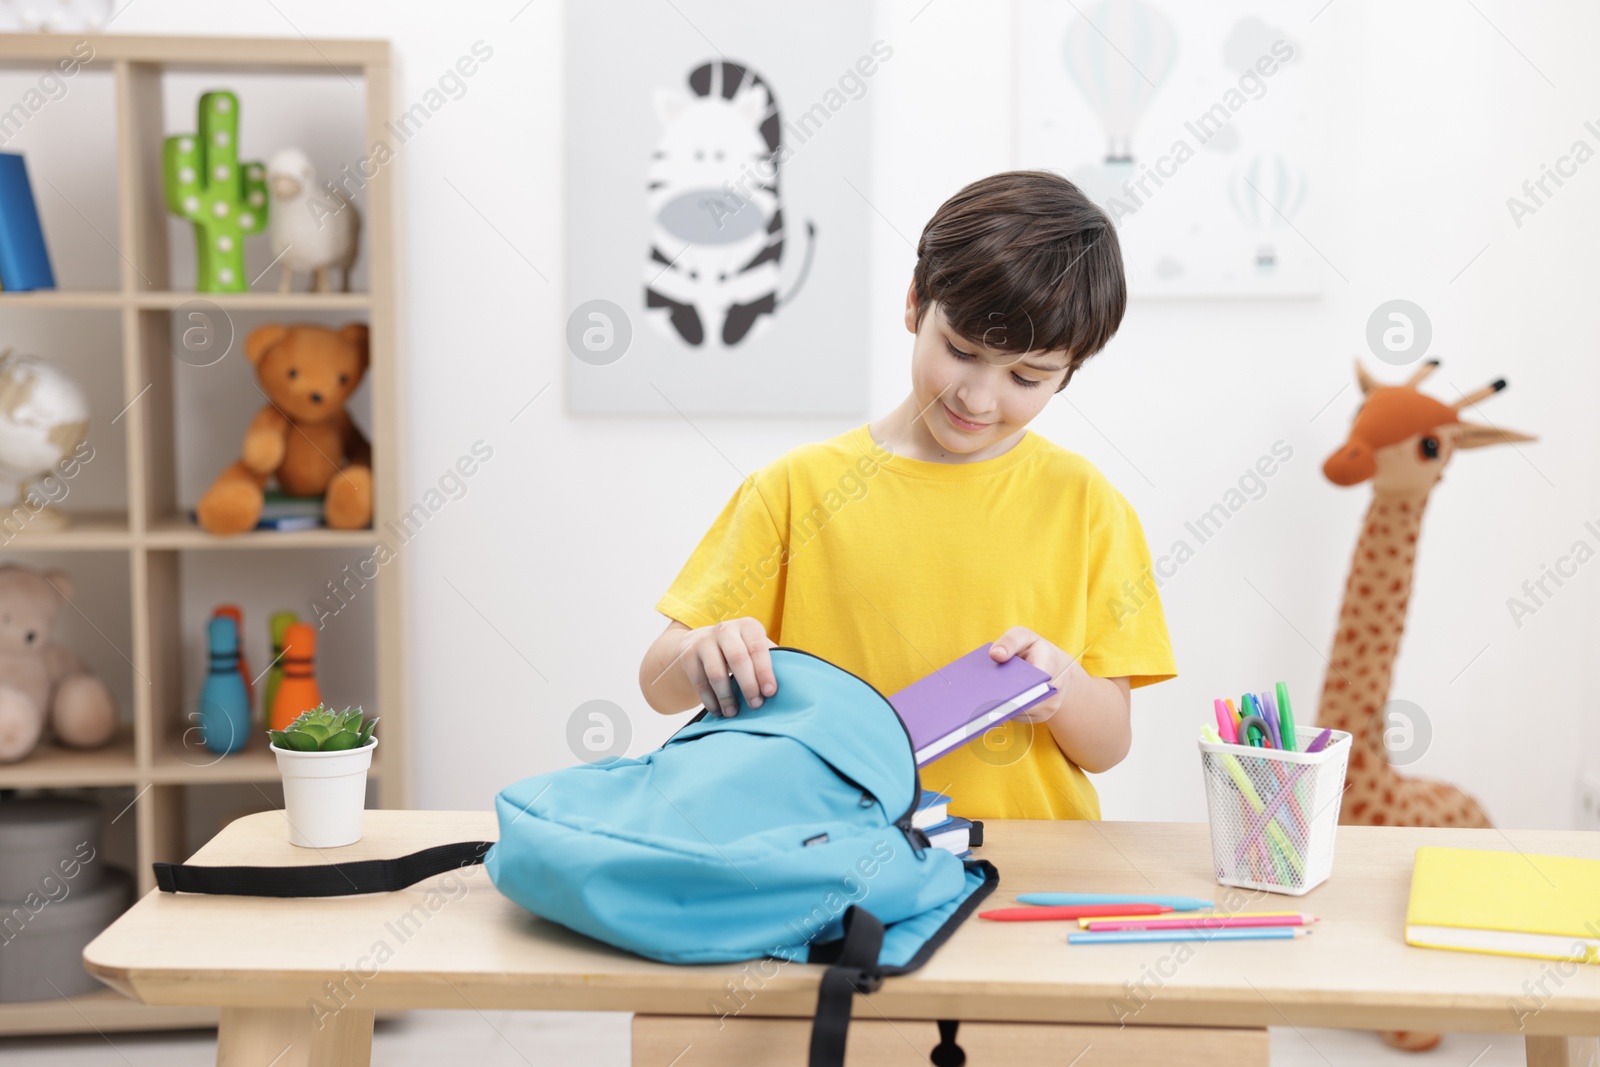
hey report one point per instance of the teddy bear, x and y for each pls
(42, 683)
(304, 436)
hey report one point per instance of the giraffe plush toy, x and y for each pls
(1401, 442)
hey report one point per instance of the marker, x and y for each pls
(1072, 911)
(1267, 739)
(1321, 741)
(1269, 712)
(1225, 722)
(1067, 899)
(1286, 718)
(1111, 937)
(1254, 727)
(1247, 706)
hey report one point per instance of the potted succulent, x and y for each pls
(323, 756)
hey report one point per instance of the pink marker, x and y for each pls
(1225, 724)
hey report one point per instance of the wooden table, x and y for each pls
(298, 980)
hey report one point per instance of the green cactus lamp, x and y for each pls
(224, 198)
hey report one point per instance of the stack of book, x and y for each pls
(946, 831)
(950, 707)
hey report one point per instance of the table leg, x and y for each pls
(287, 1037)
(1562, 1051)
(344, 1041)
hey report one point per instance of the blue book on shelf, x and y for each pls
(282, 512)
(24, 260)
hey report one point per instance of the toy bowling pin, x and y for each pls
(224, 703)
(278, 625)
(232, 611)
(297, 690)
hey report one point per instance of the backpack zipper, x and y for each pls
(904, 821)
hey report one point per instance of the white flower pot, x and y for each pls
(324, 794)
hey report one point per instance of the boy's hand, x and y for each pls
(1097, 733)
(1020, 641)
(736, 647)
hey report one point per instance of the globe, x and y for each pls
(44, 416)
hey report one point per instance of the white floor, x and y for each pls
(595, 1039)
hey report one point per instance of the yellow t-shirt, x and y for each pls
(891, 567)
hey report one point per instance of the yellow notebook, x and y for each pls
(1509, 903)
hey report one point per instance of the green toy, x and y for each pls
(279, 626)
(225, 199)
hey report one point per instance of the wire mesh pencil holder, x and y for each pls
(1274, 813)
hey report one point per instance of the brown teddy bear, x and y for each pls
(304, 436)
(40, 681)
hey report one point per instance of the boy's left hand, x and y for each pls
(1021, 641)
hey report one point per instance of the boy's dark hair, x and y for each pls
(1023, 261)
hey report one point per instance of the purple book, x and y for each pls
(964, 698)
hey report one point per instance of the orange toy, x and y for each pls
(232, 611)
(1401, 442)
(298, 690)
(303, 437)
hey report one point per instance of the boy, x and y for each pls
(897, 546)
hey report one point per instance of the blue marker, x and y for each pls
(1054, 899)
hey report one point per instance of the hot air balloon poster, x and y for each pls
(716, 249)
(1188, 123)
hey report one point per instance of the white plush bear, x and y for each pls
(40, 681)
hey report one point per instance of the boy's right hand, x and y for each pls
(736, 647)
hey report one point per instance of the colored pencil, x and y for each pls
(1111, 937)
(1204, 922)
(1171, 902)
(1186, 917)
(1178, 919)
(1073, 911)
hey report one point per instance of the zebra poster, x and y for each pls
(716, 250)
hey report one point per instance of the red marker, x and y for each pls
(1047, 913)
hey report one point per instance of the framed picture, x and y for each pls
(1188, 124)
(718, 168)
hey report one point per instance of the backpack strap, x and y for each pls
(320, 880)
(855, 970)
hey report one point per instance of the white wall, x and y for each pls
(534, 593)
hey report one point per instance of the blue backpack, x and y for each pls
(783, 831)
